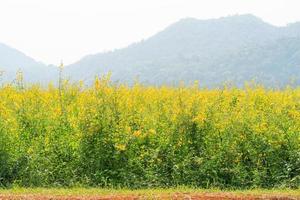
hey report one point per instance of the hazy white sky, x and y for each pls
(51, 30)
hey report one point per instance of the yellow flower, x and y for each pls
(128, 129)
(137, 133)
(200, 118)
(120, 147)
(152, 131)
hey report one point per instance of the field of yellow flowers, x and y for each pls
(112, 135)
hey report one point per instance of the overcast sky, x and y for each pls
(51, 30)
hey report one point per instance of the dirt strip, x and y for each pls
(179, 196)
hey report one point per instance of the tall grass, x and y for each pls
(143, 137)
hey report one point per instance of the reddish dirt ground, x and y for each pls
(208, 196)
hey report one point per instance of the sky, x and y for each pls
(55, 30)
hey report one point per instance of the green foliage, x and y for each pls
(144, 137)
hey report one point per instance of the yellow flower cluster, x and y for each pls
(149, 125)
(145, 109)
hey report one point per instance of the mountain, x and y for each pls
(231, 49)
(12, 61)
(234, 50)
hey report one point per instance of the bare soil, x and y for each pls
(176, 196)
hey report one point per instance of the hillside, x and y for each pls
(230, 49)
(12, 60)
(234, 49)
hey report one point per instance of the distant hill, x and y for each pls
(230, 49)
(12, 61)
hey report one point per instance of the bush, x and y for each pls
(140, 137)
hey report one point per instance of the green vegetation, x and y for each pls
(145, 137)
